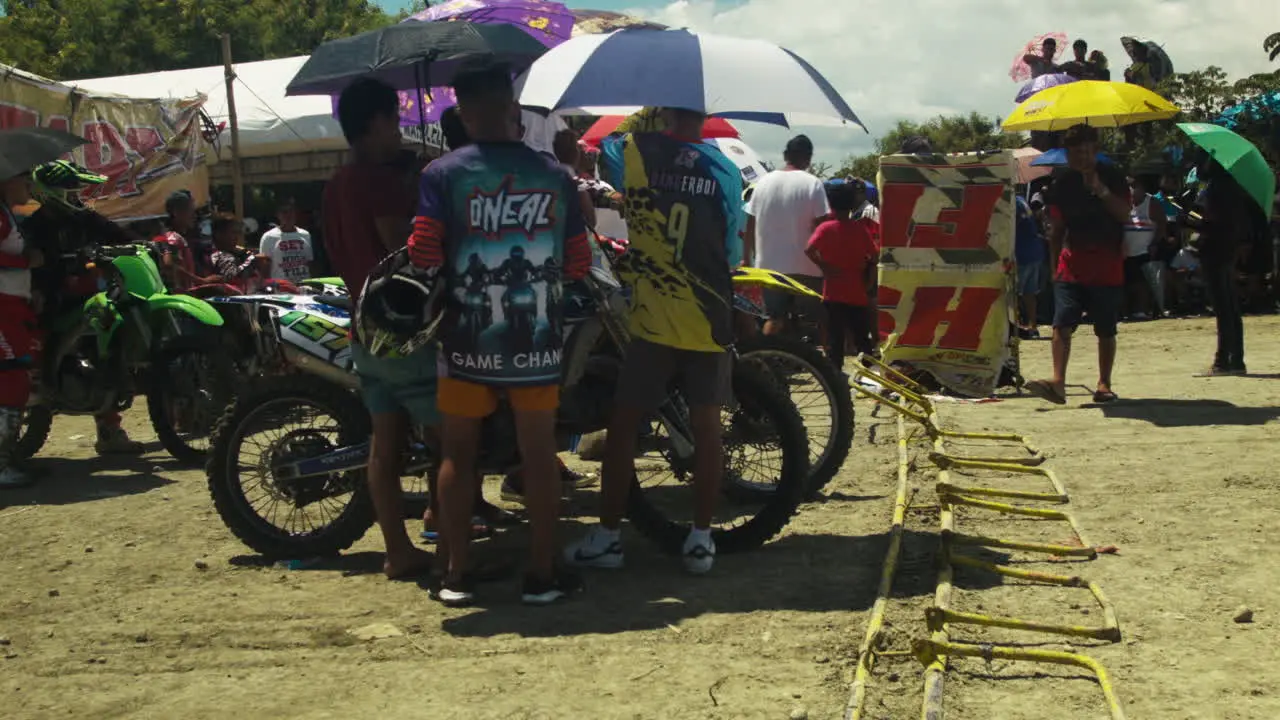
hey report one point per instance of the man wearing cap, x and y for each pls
(782, 213)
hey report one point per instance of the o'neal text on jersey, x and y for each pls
(684, 184)
(528, 211)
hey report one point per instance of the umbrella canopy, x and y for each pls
(21, 149)
(1091, 102)
(598, 22)
(1157, 58)
(407, 55)
(1258, 107)
(676, 68)
(1057, 157)
(1026, 173)
(1021, 71)
(1044, 82)
(1240, 157)
(607, 125)
(748, 162)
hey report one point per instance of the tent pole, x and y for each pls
(236, 178)
(423, 95)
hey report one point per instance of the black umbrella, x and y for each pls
(21, 149)
(411, 55)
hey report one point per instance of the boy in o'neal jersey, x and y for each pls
(683, 207)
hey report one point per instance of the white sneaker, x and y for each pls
(13, 478)
(699, 554)
(599, 548)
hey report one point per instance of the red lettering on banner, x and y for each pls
(887, 299)
(107, 154)
(962, 228)
(58, 122)
(964, 323)
(16, 116)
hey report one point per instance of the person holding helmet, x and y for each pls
(17, 327)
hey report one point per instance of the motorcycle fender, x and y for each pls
(195, 307)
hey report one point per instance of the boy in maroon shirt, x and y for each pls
(845, 250)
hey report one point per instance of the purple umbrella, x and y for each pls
(1044, 82)
(549, 22)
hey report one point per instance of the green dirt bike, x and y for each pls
(131, 338)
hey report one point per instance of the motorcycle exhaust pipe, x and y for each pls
(320, 368)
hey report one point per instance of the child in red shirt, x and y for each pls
(845, 250)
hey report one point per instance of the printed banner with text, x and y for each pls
(148, 148)
(947, 224)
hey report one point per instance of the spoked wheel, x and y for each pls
(36, 423)
(764, 445)
(278, 515)
(192, 383)
(821, 395)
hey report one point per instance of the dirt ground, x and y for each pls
(122, 594)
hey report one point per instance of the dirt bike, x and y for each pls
(319, 462)
(820, 389)
(131, 338)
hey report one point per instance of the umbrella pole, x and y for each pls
(422, 111)
(237, 179)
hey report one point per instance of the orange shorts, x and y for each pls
(473, 400)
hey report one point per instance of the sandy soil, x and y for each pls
(124, 596)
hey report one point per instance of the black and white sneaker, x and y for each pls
(599, 548)
(459, 593)
(544, 592)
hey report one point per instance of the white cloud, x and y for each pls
(915, 59)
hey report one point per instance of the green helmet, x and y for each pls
(60, 182)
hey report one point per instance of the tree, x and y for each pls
(1203, 95)
(1271, 46)
(74, 39)
(946, 133)
(820, 170)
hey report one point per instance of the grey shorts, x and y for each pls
(779, 303)
(650, 370)
(392, 385)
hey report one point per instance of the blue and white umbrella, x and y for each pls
(730, 77)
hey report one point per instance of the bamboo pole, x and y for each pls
(236, 178)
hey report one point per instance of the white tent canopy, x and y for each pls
(270, 123)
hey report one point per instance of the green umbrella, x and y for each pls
(1240, 157)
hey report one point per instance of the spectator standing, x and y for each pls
(684, 242)
(845, 250)
(782, 213)
(1099, 66)
(1224, 240)
(367, 209)
(1146, 224)
(1029, 256)
(1088, 206)
(1078, 67)
(179, 244)
(288, 247)
(232, 262)
(1042, 64)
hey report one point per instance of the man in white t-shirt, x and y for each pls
(782, 213)
(288, 246)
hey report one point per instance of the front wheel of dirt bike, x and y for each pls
(192, 381)
(270, 427)
(762, 429)
(37, 421)
(822, 396)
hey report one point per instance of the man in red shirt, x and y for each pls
(845, 250)
(1088, 210)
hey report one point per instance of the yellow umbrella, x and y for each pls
(1091, 102)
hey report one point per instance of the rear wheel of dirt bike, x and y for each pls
(193, 380)
(822, 396)
(290, 419)
(37, 421)
(763, 435)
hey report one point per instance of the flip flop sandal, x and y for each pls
(1104, 396)
(1043, 390)
(480, 529)
(502, 518)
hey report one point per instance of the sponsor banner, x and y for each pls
(148, 148)
(947, 224)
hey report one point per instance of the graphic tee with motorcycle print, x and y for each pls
(505, 224)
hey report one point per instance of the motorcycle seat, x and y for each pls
(342, 302)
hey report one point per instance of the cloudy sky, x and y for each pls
(915, 59)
